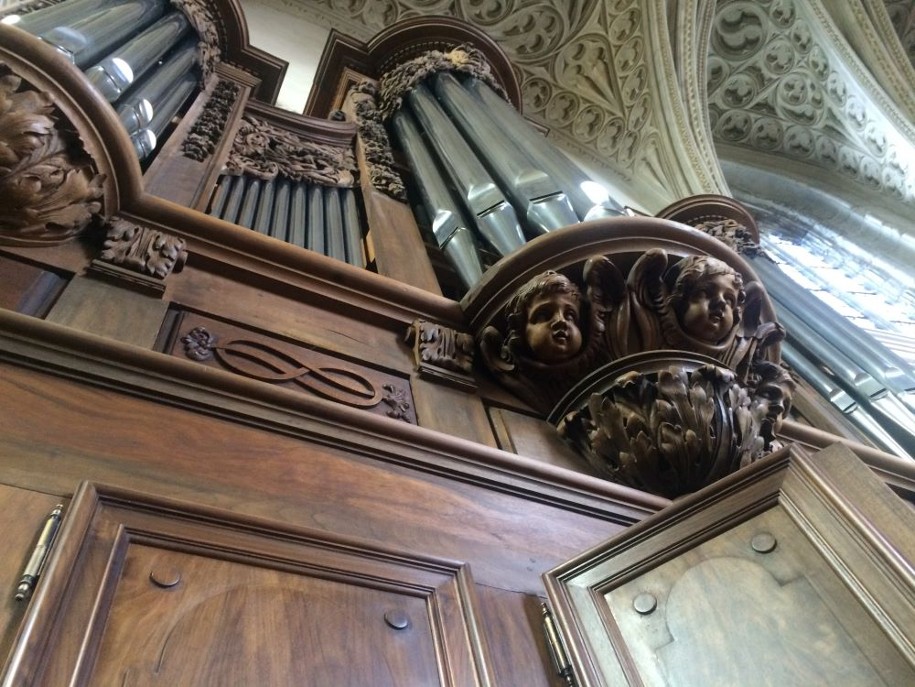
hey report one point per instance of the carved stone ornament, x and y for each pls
(49, 190)
(664, 376)
(463, 59)
(441, 353)
(267, 151)
(207, 130)
(374, 136)
(271, 360)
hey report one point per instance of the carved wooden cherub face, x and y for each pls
(552, 332)
(545, 317)
(708, 298)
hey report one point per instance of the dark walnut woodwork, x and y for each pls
(145, 591)
(795, 571)
(274, 361)
(441, 353)
(659, 367)
(50, 189)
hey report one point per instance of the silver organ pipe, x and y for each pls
(120, 69)
(532, 192)
(589, 199)
(493, 215)
(450, 228)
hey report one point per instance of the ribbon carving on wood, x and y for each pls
(269, 360)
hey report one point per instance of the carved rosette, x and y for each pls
(49, 189)
(661, 370)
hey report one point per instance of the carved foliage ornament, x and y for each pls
(267, 151)
(144, 250)
(664, 379)
(463, 59)
(377, 146)
(207, 131)
(49, 190)
(203, 20)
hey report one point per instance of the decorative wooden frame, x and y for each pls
(855, 524)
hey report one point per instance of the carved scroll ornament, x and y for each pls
(664, 379)
(49, 190)
(267, 151)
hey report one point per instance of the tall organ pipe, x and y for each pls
(589, 199)
(543, 204)
(126, 65)
(494, 216)
(89, 38)
(163, 111)
(449, 225)
(64, 14)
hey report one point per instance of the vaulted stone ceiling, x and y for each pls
(654, 92)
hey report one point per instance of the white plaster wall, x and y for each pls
(290, 38)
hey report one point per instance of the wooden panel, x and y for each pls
(796, 570)
(57, 433)
(116, 313)
(26, 288)
(22, 517)
(146, 592)
(451, 411)
(535, 438)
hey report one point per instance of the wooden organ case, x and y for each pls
(229, 359)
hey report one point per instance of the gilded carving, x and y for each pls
(208, 129)
(266, 151)
(49, 190)
(143, 249)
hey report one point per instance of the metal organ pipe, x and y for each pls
(589, 199)
(90, 37)
(450, 228)
(542, 203)
(120, 69)
(494, 216)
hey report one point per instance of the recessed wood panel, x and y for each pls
(797, 570)
(144, 592)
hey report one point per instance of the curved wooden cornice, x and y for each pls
(709, 208)
(575, 244)
(401, 42)
(89, 114)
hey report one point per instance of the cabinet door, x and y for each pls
(142, 592)
(795, 571)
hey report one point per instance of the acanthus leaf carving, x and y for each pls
(208, 129)
(143, 249)
(202, 18)
(442, 353)
(49, 190)
(267, 151)
(376, 145)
